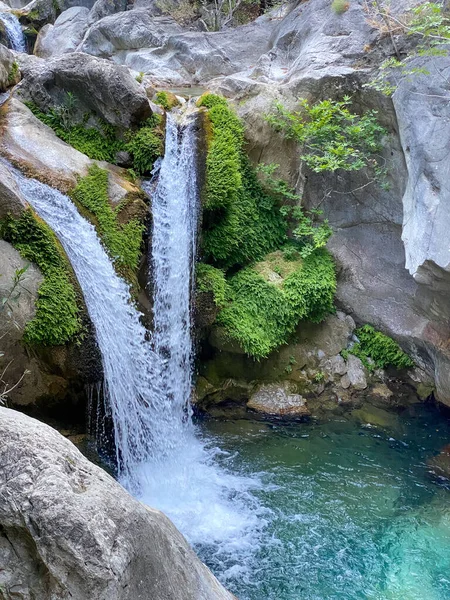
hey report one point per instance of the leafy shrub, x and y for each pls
(330, 135)
(122, 241)
(381, 349)
(210, 279)
(57, 315)
(429, 26)
(260, 315)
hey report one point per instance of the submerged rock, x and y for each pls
(67, 529)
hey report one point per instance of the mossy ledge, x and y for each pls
(122, 240)
(263, 291)
(58, 307)
(102, 141)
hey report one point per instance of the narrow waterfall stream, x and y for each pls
(14, 32)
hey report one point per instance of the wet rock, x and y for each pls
(335, 365)
(440, 464)
(61, 514)
(278, 399)
(356, 373)
(65, 35)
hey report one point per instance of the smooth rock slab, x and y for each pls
(69, 530)
(277, 399)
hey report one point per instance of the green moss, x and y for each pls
(242, 222)
(146, 145)
(210, 279)
(382, 350)
(167, 100)
(260, 315)
(57, 318)
(103, 142)
(122, 241)
(12, 76)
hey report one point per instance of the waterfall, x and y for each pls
(130, 385)
(162, 457)
(13, 32)
(175, 205)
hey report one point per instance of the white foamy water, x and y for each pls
(160, 456)
(14, 32)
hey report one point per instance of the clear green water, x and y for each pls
(342, 511)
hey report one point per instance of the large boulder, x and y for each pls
(67, 529)
(98, 85)
(65, 35)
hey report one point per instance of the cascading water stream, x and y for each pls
(161, 457)
(128, 362)
(13, 31)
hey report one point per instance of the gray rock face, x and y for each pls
(13, 318)
(6, 63)
(104, 8)
(98, 85)
(158, 46)
(11, 200)
(356, 373)
(67, 529)
(277, 399)
(65, 35)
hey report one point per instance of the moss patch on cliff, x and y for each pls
(242, 222)
(146, 145)
(122, 240)
(261, 314)
(57, 318)
(376, 350)
(244, 225)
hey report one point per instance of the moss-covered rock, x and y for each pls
(57, 319)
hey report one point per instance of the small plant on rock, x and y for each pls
(340, 6)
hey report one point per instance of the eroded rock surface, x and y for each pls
(67, 529)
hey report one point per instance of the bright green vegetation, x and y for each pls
(146, 144)
(242, 222)
(245, 223)
(167, 100)
(331, 137)
(210, 279)
(377, 350)
(104, 141)
(12, 75)
(340, 6)
(122, 241)
(261, 315)
(428, 24)
(57, 318)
